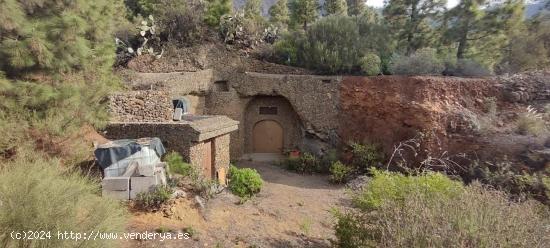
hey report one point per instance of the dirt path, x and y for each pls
(291, 211)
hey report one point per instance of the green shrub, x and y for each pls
(286, 49)
(366, 156)
(306, 163)
(511, 179)
(422, 62)
(153, 199)
(474, 217)
(370, 64)
(339, 172)
(291, 163)
(326, 161)
(394, 187)
(215, 9)
(38, 195)
(177, 165)
(333, 45)
(244, 182)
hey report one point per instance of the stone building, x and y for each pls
(277, 113)
(282, 112)
(202, 140)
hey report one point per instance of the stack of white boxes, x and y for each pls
(136, 179)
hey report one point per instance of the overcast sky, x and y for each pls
(380, 3)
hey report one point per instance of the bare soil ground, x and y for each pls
(292, 210)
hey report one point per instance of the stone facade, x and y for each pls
(310, 103)
(313, 104)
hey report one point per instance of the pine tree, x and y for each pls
(356, 7)
(471, 26)
(303, 12)
(253, 9)
(279, 13)
(57, 36)
(215, 9)
(528, 42)
(336, 7)
(411, 21)
(56, 66)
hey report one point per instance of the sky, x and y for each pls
(380, 3)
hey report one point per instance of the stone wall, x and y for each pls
(526, 87)
(174, 136)
(222, 158)
(140, 106)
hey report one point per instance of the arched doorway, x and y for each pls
(267, 137)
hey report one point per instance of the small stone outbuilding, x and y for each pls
(203, 141)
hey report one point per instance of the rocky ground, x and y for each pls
(292, 210)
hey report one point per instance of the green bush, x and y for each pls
(177, 165)
(153, 199)
(215, 9)
(38, 195)
(395, 187)
(244, 182)
(370, 64)
(514, 180)
(339, 172)
(306, 163)
(423, 62)
(366, 156)
(326, 161)
(473, 217)
(286, 48)
(332, 45)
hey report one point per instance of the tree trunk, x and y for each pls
(411, 30)
(463, 41)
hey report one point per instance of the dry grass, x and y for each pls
(36, 195)
(531, 122)
(478, 217)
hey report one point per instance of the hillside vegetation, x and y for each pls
(57, 68)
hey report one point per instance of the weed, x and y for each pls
(366, 155)
(191, 231)
(531, 122)
(339, 172)
(153, 199)
(305, 226)
(163, 229)
(177, 165)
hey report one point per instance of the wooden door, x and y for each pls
(207, 160)
(267, 137)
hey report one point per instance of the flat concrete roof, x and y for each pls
(199, 127)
